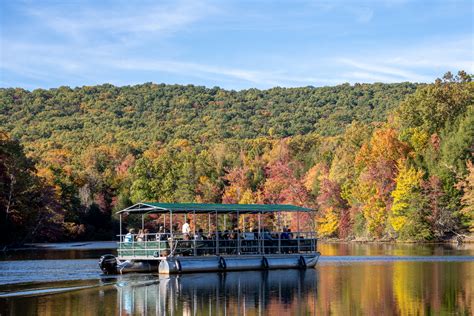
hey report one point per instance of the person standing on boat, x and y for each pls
(186, 229)
(161, 234)
(141, 235)
(129, 236)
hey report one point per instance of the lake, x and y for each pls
(350, 279)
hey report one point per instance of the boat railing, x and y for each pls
(148, 246)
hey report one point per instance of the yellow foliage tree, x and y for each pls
(375, 214)
(467, 185)
(248, 221)
(408, 184)
(407, 212)
(328, 223)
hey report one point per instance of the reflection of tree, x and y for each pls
(402, 287)
(439, 288)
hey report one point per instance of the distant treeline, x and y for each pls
(373, 160)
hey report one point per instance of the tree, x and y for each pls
(377, 165)
(467, 186)
(408, 212)
(238, 185)
(282, 187)
(435, 106)
(334, 218)
(28, 208)
(165, 175)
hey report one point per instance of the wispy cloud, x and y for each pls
(411, 63)
(379, 71)
(125, 22)
(259, 77)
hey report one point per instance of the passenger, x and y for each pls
(162, 234)
(199, 235)
(290, 234)
(250, 235)
(266, 234)
(129, 236)
(186, 229)
(146, 233)
(141, 235)
(285, 234)
(255, 233)
(234, 234)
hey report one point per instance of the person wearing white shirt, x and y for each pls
(186, 229)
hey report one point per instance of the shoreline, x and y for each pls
(467, 240)
(83, 245)
(98, 245)
(111, 244)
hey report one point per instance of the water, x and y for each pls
(350, 279)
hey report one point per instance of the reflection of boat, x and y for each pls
(228, 245)
(220, 293)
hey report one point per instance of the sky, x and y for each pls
(233, 44)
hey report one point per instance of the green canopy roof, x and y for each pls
(154, 207)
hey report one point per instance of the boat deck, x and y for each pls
(157, 250)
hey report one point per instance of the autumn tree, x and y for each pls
(467, 186)
(333, 210)
(377, 162)
(28, 207)
(408, 212)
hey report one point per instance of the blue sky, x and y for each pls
(232, 44)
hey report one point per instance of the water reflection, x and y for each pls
(350, 288)
(252, 293)
(394, 249)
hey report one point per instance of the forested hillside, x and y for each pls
(145, 114)
(375, 161)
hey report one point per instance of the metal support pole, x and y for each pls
(143, 222)
(259, 234)
(171, 223)
(298, 228)
(120, 234)
(194, 232)
(217, 235)
(171, 234)
(120, 229)
(238, 234)
(279, 232)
